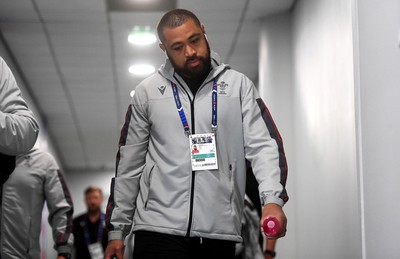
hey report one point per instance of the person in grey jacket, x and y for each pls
(18, 127)
(183, 204)
(36, 179)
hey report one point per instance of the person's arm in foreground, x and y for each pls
(59, 203)
(125, 185)
(18, 127)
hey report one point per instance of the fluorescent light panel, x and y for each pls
(141, 69)
(140, 5)
(142, 36)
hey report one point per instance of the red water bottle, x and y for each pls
(271, 226)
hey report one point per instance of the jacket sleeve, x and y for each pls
(59, 203)
(263, 147)
(131, 157)
(18, 127)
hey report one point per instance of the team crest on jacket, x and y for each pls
(162, 89)
(222, 87)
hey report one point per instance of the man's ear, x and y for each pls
(204, 31)
(162, 47)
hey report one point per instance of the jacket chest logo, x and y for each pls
(222, 87)
(162, 89)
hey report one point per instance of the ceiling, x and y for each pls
(75, 56)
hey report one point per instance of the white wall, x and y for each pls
(326, 221)
(379, 87)
(276, 87)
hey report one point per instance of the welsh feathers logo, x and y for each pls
(222, 87)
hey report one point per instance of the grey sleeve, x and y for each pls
(59, 203)
(264, 148)
(18, 127)
(131, 158)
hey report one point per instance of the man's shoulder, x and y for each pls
(3, 65)
(232, 83)
(151, 88)
(235, 73)
(151, 80)
(37, 158)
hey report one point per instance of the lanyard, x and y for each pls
(99, 230)
(182, 113)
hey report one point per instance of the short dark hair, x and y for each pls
(93, 188)
(173, 19)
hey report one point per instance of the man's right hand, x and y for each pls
(115, 249)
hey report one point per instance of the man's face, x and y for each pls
(187, 49)
(93, 201)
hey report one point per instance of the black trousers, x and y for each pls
(152, 245)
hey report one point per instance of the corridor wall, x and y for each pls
(313, 93)
(377, 45)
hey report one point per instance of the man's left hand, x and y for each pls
(272, 210)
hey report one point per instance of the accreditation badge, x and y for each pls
(96, 250)
(203, 151)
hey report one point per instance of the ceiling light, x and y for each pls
(142, 36)
(141, 70)
(132, 93)
(141, 5)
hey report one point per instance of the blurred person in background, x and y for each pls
(88, 228)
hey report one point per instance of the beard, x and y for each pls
(199, 72)
(93, 208)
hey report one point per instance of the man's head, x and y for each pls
(183, 39)
(93, 198)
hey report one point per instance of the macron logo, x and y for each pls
(162, 89)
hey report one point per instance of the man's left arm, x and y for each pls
(264, 150)
(59, 203)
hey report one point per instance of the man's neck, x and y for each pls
(94, 216)
(195, 83)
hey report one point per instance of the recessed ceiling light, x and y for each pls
(142, 36)
(141, 70)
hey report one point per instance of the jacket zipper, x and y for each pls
(193, 177)
(193, 172)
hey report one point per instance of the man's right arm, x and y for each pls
(125, 185)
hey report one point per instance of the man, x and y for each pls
(90, 235)
(36, 179)
(18, 127)
(182, 207)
